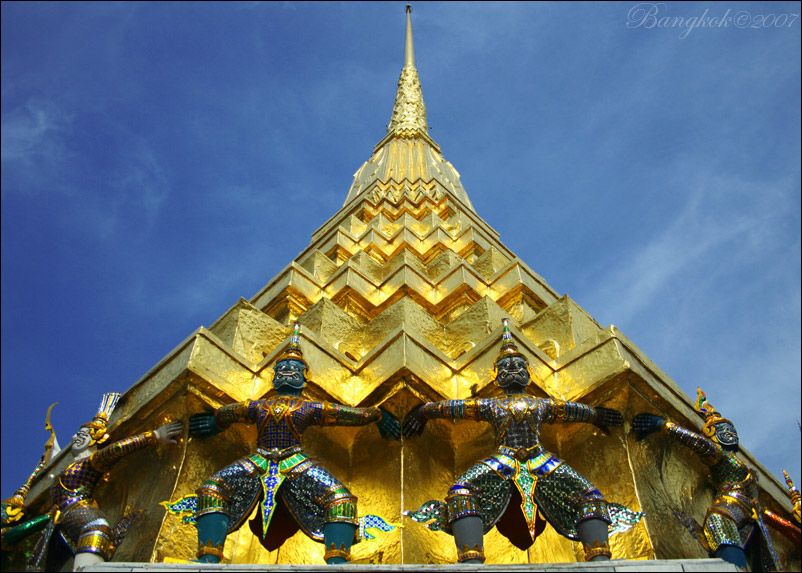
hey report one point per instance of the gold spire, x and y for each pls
(409, 112)
(407, 162)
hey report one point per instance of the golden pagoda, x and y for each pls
(400, 295)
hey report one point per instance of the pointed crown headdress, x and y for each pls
(293, 351)
(508, 347)
(712, 417)
(100, 423)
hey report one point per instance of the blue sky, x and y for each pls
(162, 160)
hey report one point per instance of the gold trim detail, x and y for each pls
(332, 551)
(466, 554)
(597, 550)
(209, 549)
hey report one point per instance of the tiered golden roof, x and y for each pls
(401, 295)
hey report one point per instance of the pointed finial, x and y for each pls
(51, 443)
(791, 488)
(796, 498)
(409, 46)
(409, 112)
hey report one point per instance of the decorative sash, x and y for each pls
(525, 479)
(273, 474)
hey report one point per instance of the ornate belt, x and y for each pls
(522, 454)
(276, 454)
(58, 512)
(748, 505)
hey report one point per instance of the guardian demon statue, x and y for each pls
(295, 489)
(77, 526)
(508, 488)
(734, 525)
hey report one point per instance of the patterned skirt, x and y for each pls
(544, 484)
(297, 489)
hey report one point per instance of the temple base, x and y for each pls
(615, 565)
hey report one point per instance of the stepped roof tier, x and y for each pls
(401, 295)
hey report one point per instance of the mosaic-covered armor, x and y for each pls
(78, 527)
(295, 490)
(734, 524)
(312, 494)
(521, 472)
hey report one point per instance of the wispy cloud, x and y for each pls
(40, 146)
(33, 133)
(725, 219)
(138, 183)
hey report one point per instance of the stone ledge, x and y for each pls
(614, 566)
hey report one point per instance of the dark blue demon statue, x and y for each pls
(521, 480)
(734, 528)
(294, 489)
